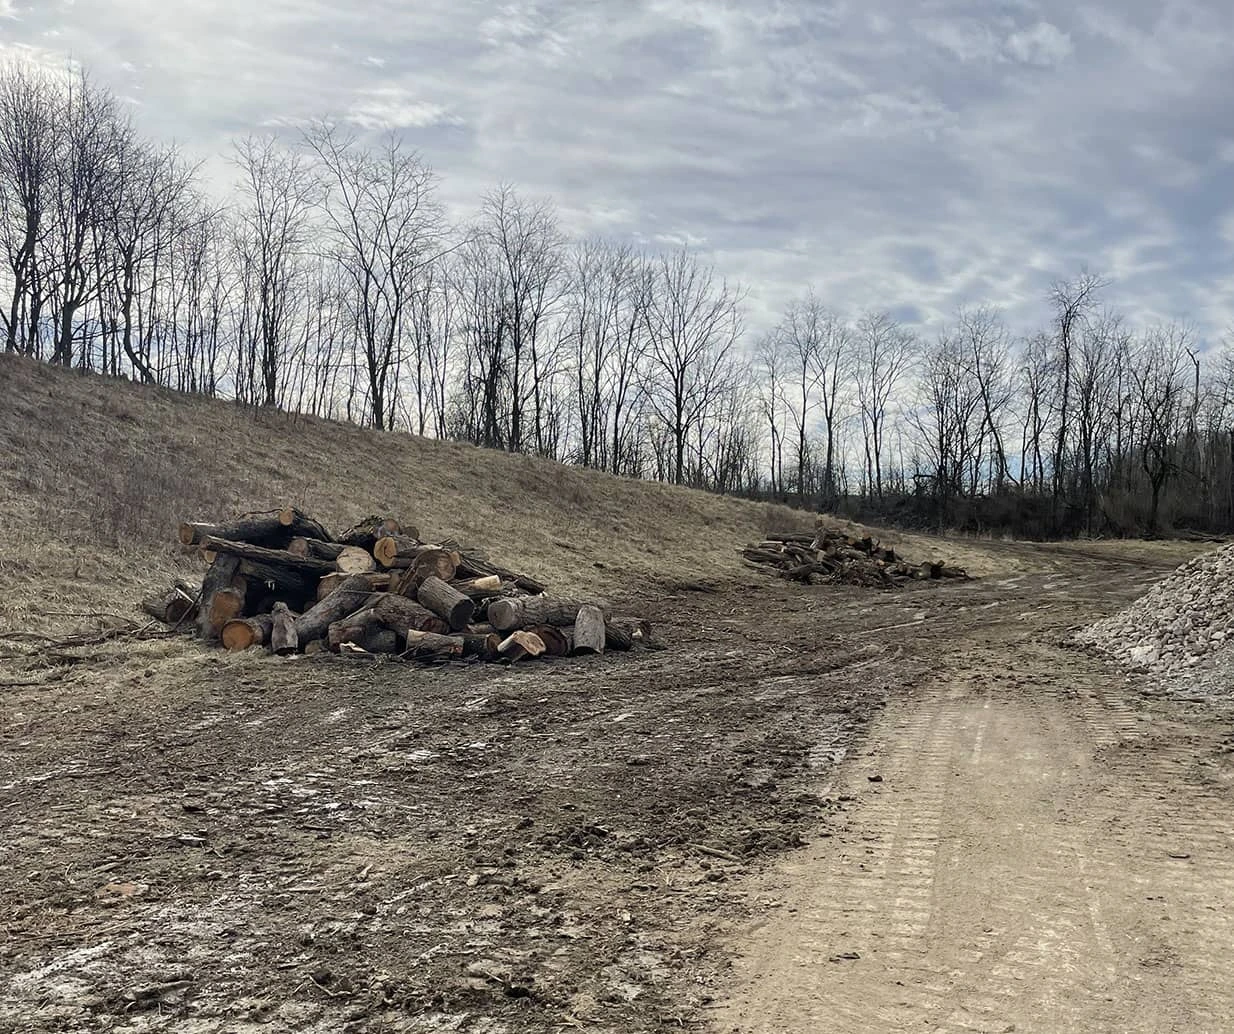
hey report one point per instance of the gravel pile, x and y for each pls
(1183, 627)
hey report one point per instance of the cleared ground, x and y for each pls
(679, 838)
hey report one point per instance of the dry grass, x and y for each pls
(97, 473)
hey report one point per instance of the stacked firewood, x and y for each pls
(281, 581)
(831, 556)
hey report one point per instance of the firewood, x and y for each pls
(430, 646)
(522, 612)
(446, 601)
(275, 557)
(400, 613)
(589, 632)
(267, 530)
(283, 637)
(436, 563)
(245, 633)
(617, 638)
(352, 594)
(481, 644)
(225, 604)
(365, 532)
(390, 548)
(301, 524)
(346, 559)
(472, 566)
(378, 581)
(638, 629)
(558, 642)
(171, 607)
(481, 588)
(520, 645)
(218, 579)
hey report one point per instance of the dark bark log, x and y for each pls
(245, 633)
(522, 612)
(589, 632)
(352, 594)
(519, 645)
(258, 530)
(346, 559)
(262, 555)
(446, 602)
(390, 548)
(424, 646)
(617, 638)
(483, 588)
(365, 533)
(558, 642)
(172, 607)
(482, 645)
(378, 581)
(638, 629)
(283, 637)
(366, 630)
(218, 579)
(470, 566)
(301, 524)
(401, 614)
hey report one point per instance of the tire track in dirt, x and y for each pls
(1021, 867)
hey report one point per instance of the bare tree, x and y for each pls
(386, 228)
(883, 352)
(30, 102)
(693, 322)
(273, 238)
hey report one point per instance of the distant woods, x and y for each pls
(332, 282)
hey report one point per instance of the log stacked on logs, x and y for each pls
(831, 556)
(280, 581)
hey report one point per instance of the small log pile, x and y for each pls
(281, 582)
(833, 557)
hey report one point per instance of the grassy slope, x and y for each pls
(95, 474)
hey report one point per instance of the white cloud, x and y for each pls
(1043, 45)
(391, 107)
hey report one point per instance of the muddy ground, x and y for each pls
(323, 845)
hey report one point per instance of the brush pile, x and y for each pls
(282, 582)
(833, 557)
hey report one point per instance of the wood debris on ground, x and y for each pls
(830, 556)
(282, 582)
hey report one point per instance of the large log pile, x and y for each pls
(280, 581)
(831, 556)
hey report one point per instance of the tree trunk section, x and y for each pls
(218, 579)
(262, 555)
(378, 581)
(171, 607)
(351, 595)
(589, 632)
(520, 645)
(245, 633)
(558, 642)
(258, 530)
(446, 602)
(482, 644)
(509, 614)
(365, 533)
(301, 524)
(283, 637)
(424, 646)
(401, 614)
(225, 605)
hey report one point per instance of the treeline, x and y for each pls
(332, 282)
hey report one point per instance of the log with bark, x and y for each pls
(365, 532)
(346, 559)
(472, 566)
(521, 612)
(352, 594)
(558, 642)
(218, 579)
(423, 646)
(177, 605)
(271, 557)
(446, 601)
(263, 529)
(589, 630)
(245, 633)
(481, 644)
(377, 581)
(519, 645)
(283, 636)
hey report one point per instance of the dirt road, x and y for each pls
(225, 844)
(1034, 849)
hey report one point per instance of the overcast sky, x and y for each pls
(907, 154)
